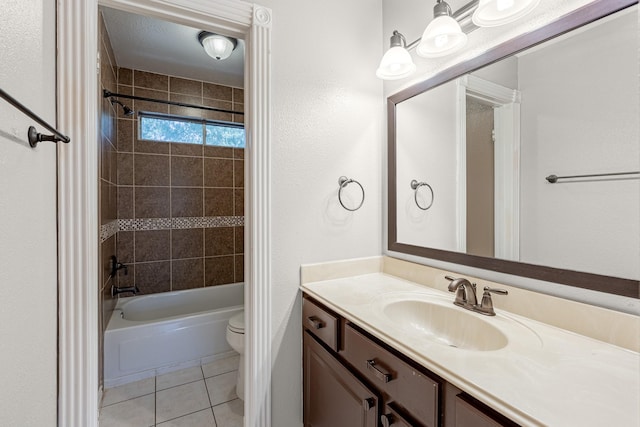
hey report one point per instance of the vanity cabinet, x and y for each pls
(352, 379)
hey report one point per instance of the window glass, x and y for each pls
(191, 131)
(170, 130)
(225, 136)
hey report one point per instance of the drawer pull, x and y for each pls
(382, 376)
(368, 403)
(386, 420)
(315, 323)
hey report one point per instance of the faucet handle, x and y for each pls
(486, 305)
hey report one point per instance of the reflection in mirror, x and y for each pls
(485, 142)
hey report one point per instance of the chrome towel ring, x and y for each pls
(343, 181)
(416, 185)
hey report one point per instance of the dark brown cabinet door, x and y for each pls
(333, 397)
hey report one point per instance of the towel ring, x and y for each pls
(416, 185)
(343, 181)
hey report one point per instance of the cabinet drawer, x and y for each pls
(407, 387)
(320, 322)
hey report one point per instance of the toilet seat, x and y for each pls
(236, 323)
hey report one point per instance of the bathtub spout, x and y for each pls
(116, 290)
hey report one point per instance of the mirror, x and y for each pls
(472, 152)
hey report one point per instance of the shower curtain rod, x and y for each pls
(107, 94)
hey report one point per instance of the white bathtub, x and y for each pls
(155, 334)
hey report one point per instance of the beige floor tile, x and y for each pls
(128, 391)
(181, 400)
(230, 414)
(138, 412)
(176, 378)
(221, 366)
(197, 419)
(222, 388)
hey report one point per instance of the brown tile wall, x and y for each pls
(108, 172)
(169, 180)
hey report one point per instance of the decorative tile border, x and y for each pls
(107, 230)
(148, 224)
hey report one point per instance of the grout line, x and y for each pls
(155, 400)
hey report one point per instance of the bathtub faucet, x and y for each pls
(116, 290)
(115, 266)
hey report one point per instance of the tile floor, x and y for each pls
(202, 396)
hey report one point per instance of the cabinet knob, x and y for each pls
(386, 420)
(368, 403)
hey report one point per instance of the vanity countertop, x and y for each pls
(545, 376)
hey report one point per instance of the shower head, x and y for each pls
(125, 110)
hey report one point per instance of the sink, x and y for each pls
(445, 324)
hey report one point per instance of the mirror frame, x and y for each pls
(575, 19)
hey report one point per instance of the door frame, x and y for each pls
(506, 104)
(78, 100)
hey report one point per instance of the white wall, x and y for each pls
(590, 126)
(327, 122)
(28, 317)
(426, 151)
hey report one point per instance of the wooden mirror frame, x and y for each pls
(578, 18)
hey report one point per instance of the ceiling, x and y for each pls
(149, 44)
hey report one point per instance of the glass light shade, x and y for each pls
(217, 46)
(491, 13)
(395, 64)
(442, 36)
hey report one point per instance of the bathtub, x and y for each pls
(154, 334)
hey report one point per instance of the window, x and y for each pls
(190, 130)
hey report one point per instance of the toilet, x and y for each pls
(235, 338)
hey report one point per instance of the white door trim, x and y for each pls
(78, 103)
(506, 103)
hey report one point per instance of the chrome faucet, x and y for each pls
(466, 296)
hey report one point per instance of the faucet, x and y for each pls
(466, 296)
(115, 266)
(116, 290)
(465, 292)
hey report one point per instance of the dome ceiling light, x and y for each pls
(218, 47)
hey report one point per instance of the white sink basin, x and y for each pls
(445, 324)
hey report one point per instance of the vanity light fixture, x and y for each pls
(218, 47)
(492, 13)
(443, 35)
(447, 32)
(396, 62)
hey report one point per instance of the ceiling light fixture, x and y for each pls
(447, 32)
(492, 13)
(218, 47)
(443, 35)
(396, 62)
